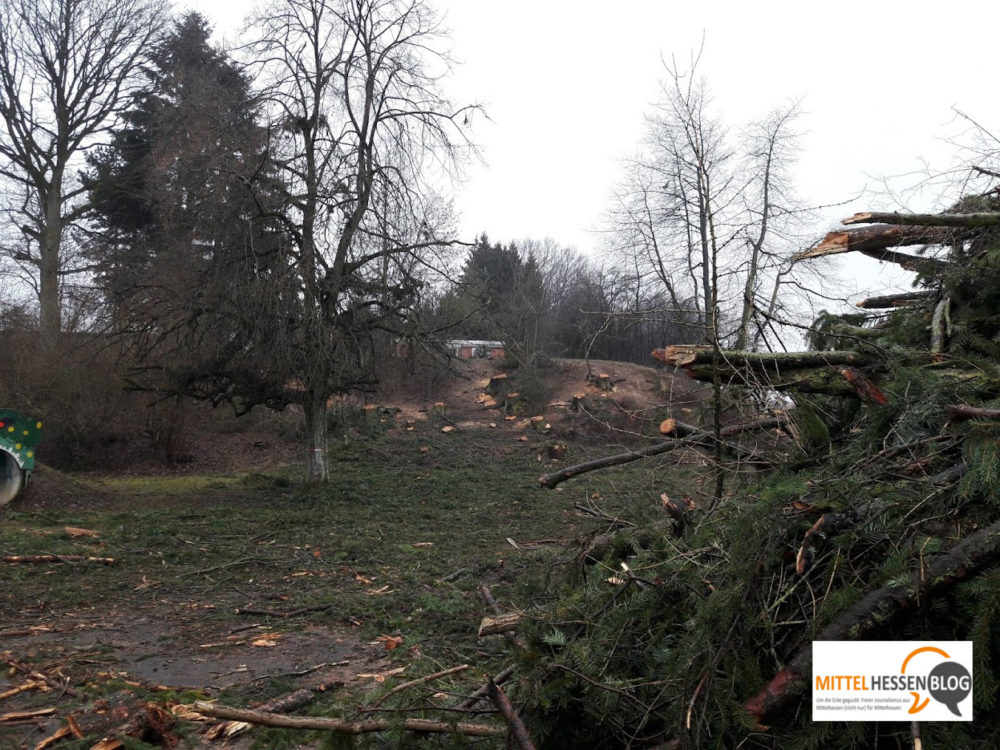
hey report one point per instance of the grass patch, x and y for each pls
(395, 544)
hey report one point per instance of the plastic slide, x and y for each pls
(18, 438)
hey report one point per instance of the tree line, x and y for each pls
(262, 227)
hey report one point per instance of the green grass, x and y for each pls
(397, 542)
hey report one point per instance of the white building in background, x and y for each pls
(474, 349)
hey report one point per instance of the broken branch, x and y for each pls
(342, 725)
(274, 613)
(688, 436)
(517, 729)
(894, 300)
(878, 239)
(25, 559)
(419, 681)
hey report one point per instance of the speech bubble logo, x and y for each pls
(950, 683)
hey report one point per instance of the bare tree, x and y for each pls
(66, 67)
(702, 214)
(360, 124)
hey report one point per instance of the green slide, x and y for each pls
(18, 438)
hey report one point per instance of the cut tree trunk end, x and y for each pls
(879, 239)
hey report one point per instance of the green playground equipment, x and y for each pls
(18, 438)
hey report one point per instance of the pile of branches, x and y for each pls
(884, 526)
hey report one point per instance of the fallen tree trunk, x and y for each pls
(879, 239)
(342, 725)
(558, 477)
(895, 300)
(984, 219)
(830, 373)
(965, 559)
(685, 356)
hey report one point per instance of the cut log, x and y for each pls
(500, 624)
(875, 241)
(895, 300)
(343, 726)
(984, 219)
(974, 553)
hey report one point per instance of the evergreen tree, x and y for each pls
(188, 257)
(500, 295)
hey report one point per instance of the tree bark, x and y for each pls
(343, 726)
(518, 731)
(895, 300)
(316, 429)
(968, 557)
(876, 241)
(684, 356)
(50, 243)
(984, 219)
(298, 698)
(503, 623)
(808, 372)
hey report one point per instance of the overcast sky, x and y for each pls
(567, 83)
